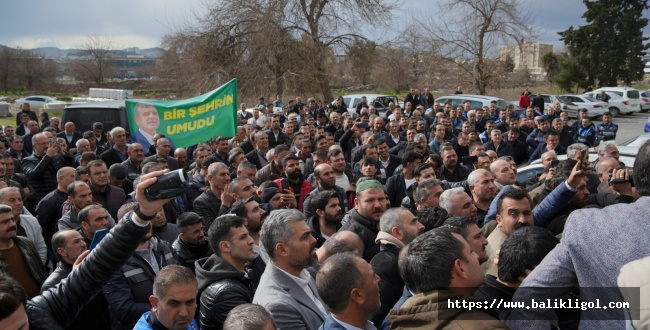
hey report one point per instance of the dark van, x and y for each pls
(83, 115)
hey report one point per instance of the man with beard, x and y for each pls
(68, 246)
(109, 196)
(216, 199)
(398, 184)
(504, 173)
(327, 218)
(481, 184)
(253, 214)
(398, 227)
(129, 288)
(326, 181)
(371, 202)
(552, 142)
(450, 170)
(19, 256)
(472, 234)
(519, 148)
(222, 281)
(286, 288)
(272, 170)
(190, 244)
(514, 210)
(294, 181)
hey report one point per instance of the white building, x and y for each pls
(529, 56)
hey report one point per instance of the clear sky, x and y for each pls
(142, 23)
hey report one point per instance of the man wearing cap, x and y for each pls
(271, 199)
(371, 203)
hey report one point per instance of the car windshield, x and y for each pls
(564, 100)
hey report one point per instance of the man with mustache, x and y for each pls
(398, 227)
(146, 116)
(328, 215)
(326, 181)
(19, 255)
(286, 288)
(173, 302)
(514, 210)
(69, 245)
(223, 283)
(294, 181)
(371, 202)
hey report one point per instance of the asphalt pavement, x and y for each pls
(629, 126)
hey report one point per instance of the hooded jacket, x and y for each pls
(221, 288)
(430, 310)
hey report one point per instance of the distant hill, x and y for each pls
(54, 52)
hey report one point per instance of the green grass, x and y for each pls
(11, 120)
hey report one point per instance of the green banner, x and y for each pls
(185, 122)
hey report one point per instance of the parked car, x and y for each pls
(636, 141)
(595, 107)
(645, 100)
(83, 115)
(379, 101)
(36, 102)
(475, 101)
(569, 107)
(624, 100)
(534, 168)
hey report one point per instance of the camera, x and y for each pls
(169, 185)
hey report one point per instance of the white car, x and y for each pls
(622, 99)
(36, 102)
(595, 107)
(379, 101)
(645, 100)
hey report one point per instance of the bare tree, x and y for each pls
(270, 46)
(94, 62)
(34, 70)
(470, 36)
(7, 66)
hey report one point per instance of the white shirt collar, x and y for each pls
(369, 325)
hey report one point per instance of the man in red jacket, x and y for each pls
(295, 182)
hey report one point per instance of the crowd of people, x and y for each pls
(314, 216)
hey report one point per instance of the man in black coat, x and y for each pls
(371, 203)
(398, 227)
(70, 136)
(397, 184)
(190, 244)
(222, 281)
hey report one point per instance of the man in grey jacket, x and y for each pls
(592, 251)
(286, 288)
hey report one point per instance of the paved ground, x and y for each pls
(629, 126)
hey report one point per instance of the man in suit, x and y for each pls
(163, 148)
(350, 289)
(71, 136)
(118, 152)
(286, 288)
(146, 116)
(581, 257)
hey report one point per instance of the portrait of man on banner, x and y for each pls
(148, 121)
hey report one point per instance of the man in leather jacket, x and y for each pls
(68, 245)
(190, 244)
(223, 283)
(58, 307)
